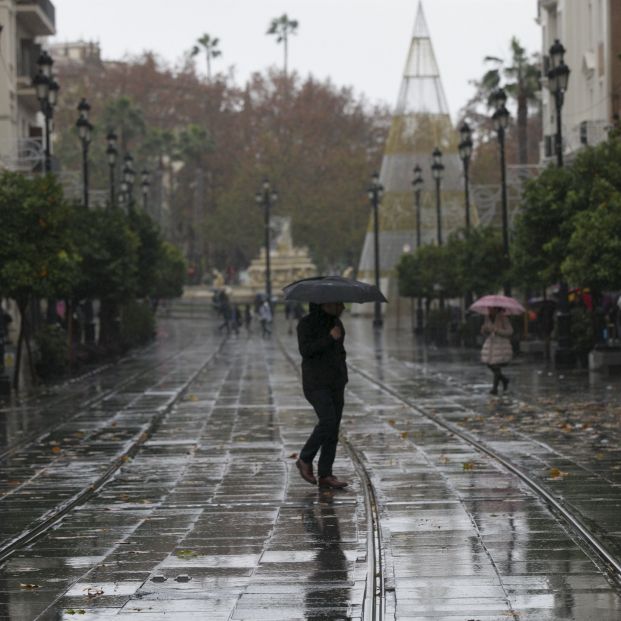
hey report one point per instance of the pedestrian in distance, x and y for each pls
(321, 337)
(248, 319)
(265, 316)
(236, 320)
(289, 306)
(497, 351)
(225, 311)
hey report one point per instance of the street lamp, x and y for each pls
(112, 154)
(85, 130)
(437, 170)
(501, 121)
(265, 198)
(465, 153)
(145, 175)
(376, 189)
(46, 88)
(417, 183)
(558, 79)
(129, 176)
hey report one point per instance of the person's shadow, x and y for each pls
(327, 593)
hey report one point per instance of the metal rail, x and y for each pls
(38, 435)
(374, 595)
(374, 599)
(49, 519)
(611, 564)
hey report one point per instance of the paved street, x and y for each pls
(165, 487)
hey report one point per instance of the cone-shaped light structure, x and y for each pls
(420, 124)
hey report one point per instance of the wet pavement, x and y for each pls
(207, 516)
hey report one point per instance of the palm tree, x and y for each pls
(211, 50)
(524, 85)
(282, 27)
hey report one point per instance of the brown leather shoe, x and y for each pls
(332, 481)
(306, 471)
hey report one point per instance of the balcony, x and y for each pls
(26, 156)
(38, 17)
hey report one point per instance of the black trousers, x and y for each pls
(328, 404)
(496, 369)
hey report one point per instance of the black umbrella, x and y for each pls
(326, 289)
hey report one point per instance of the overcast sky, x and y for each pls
(358, 43)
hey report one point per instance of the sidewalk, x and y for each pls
(210, 518)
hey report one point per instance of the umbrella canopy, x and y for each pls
(327, 289)
(509, 305)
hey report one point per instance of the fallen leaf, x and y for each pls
(468, 465)
(293, 456)
(392, 422)
(93, 591)
(56, 449)
(28, 586)
(404, 434)
(186, 553)
(556, 473)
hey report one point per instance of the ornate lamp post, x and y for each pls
(47, 93)
(558, 79)
(501, 121)
(129, 176)
(376, 189)
(437, 170)
(144, 186)
(85, 130)
(265, 198)
(112, 155)
(465, 153)
(417, 183)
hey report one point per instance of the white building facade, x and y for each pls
(25, 24)
(590, 31)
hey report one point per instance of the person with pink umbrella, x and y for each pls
(497, 351)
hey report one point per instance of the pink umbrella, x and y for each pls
(509, 305)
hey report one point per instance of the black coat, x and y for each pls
(323, 358)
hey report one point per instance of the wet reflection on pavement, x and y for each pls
(210, 519)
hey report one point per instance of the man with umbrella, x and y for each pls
(321, 337)
(324, 374)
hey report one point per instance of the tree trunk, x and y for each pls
(107, 313)
(522, 128)
(70, 350)
(33, 374)
(22, 306)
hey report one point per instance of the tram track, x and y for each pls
(375, 589)
(39, 435)
(51, 517)
(610, 564)
(375, 600)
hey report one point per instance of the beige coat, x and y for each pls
(497, 347)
